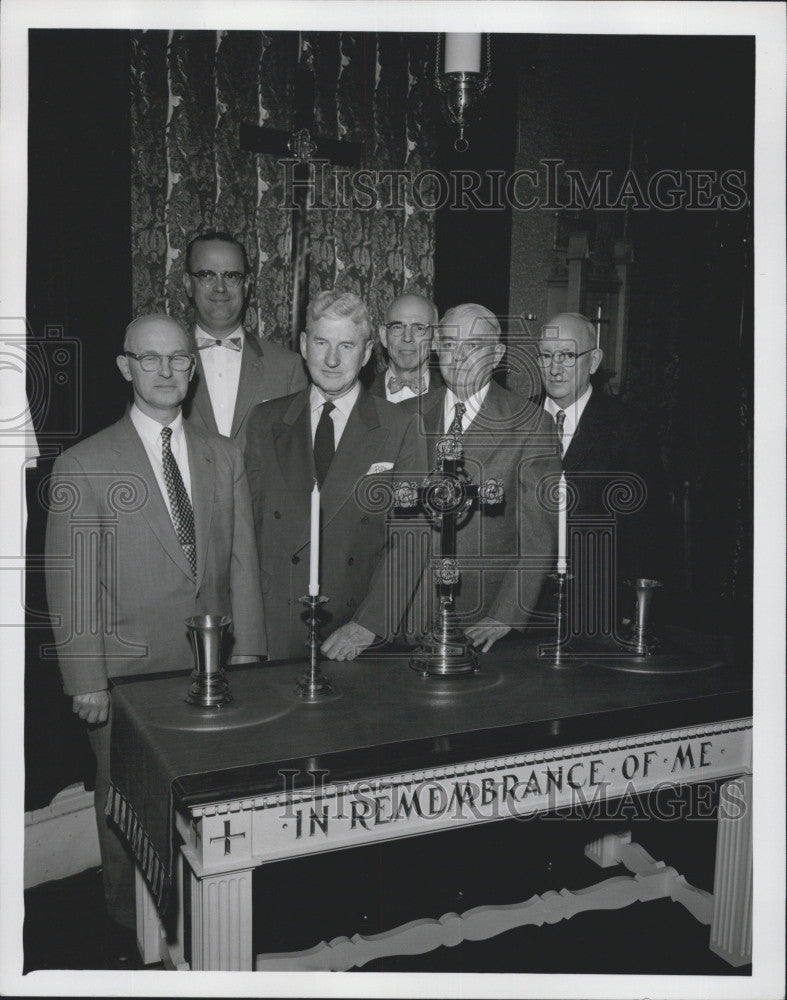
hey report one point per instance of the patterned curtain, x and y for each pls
(190, 91)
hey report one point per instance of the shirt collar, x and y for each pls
(150, 430)
(574, 411)
(344, 403)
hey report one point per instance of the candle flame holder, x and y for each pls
(314, 685)
(560, 654)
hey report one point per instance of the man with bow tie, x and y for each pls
(350, 442)
(407, 337)
(234, 371)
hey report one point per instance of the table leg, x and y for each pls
(221, 916)
(149, 929)
(731, 922)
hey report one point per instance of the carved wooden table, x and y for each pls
(395, 754)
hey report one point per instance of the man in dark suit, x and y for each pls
(610, 458)
(504, 436)
(347, 440)
(406, 336)
(165, 509)
(234, 371)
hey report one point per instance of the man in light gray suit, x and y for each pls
(234, 371)
(163, 510)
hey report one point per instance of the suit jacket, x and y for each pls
(377, 386)
(280, 465)
(267, 371)
(612, 442)
(504, 551)
(118, 583)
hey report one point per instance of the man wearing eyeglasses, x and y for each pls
(160, 510)
(601, 440)
(503, 436)
(406, 335)
(234, 371)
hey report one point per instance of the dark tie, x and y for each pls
(180, 505)
(560, 419)
(231, 343)
(415, 384)
(456, 423)
(324, 446)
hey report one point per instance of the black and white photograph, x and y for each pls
(393, 516)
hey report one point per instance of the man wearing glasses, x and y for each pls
(234, 371)
(406, 335)
(505, 437)
(602, 440)
(161, 512)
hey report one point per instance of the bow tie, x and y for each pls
(231, 343)
(415, 384)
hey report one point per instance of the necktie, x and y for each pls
(415, 384)
(231, 343)
(180, 505)
(456, 423)
(560, 419)
(324, 446)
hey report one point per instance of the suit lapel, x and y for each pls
(587, 434)
(201, 402)
(360, 445)
(431, 422)
(203, 487)
(293, 447)
(249, 382)
(133, 459)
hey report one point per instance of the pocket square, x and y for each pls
(379, 467)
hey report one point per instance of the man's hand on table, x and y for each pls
(486, 632)
(347, 642)
(93, 707)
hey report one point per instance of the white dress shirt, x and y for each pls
(222, 375)
(573, 414)
(405, 392)
(472, 406)
(149, 431)
(339, 415)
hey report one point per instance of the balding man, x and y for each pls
(504, 436)
(602, 442)
(406, 335)
(165, 507)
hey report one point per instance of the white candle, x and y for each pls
(598, 326)
(561, 524)
(314, 546)
(462, 53)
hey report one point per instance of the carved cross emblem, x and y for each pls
(227, 837)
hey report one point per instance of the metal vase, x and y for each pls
(209, 685)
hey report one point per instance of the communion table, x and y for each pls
(207, 797)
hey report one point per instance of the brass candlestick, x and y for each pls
(314, 684)
(560, 654)
(209, 685)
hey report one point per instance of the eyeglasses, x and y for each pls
(417, 329)
(207, 278)
(152, 362)
(565, 358)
